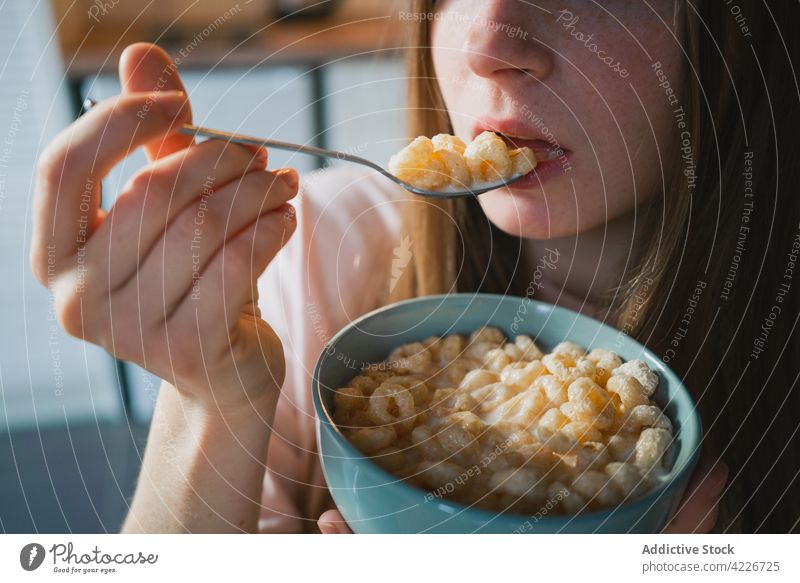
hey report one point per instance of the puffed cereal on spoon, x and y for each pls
(446, 163)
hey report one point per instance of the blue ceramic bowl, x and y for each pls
(374, 501)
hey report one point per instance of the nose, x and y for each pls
(501, 42)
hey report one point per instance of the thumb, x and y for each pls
(331, 522)
(145, 67)
(698, 509)
(251, 308)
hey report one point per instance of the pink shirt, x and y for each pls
(333, 270)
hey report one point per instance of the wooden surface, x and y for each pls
(239, 40)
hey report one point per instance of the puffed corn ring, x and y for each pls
(522, 374)
(365, 384)
(495, 423)
(529, 349)
(489, 334)
(646, 416)
(642, 373)
(416, 165)
(446, 162)
(349, 398)
(574, 350)
(478, 378)
(651, 446)
(392, 405)
(553, 388)
(630, 391)
(419, 389)
(372, 439)
(448, 142)
(496, 360)
(520, 483)
(627, 478)
(452, 347)
(487, 158)
(390, 458)
(414, 357)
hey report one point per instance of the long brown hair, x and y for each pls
(727, 249)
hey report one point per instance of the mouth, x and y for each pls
(518, 135)
(552, 157)
(545, 151)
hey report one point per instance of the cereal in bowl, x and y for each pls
(503, 426)
(445, 162)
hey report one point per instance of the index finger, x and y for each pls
(145, 67)
(67, 194)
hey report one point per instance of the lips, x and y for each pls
(553, 158)
(543, 149)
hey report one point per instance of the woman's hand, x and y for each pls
(331, 522)
(697, 512)
(167, 277)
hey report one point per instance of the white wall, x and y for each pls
(365, 107)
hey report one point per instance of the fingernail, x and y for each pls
(291, 177)
(172, 103)
(259, 152)
(327, 528)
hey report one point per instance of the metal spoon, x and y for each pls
(193, 130)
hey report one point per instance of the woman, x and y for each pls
(666, 205)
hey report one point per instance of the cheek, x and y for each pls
(637, 151)
(626, 142)
(621, 130)
(444, 54)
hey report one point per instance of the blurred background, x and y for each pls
(73, 421)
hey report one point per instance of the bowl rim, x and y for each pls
(640, 505)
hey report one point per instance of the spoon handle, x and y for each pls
(193, 130)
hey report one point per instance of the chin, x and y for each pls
(529, 215)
